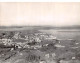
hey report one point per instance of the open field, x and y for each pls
(65, 34)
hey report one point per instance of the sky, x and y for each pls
(41, 13)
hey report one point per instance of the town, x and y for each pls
(37, 47)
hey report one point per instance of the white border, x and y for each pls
(39, 0)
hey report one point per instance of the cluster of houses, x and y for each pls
(36, 40)
(22, 41)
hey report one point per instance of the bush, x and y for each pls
(32, 57)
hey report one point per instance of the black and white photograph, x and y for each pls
(39, 32)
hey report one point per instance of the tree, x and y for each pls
(11, 34)
(1, 38)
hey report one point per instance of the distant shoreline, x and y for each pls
(69, 31)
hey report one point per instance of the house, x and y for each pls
(42, 61)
